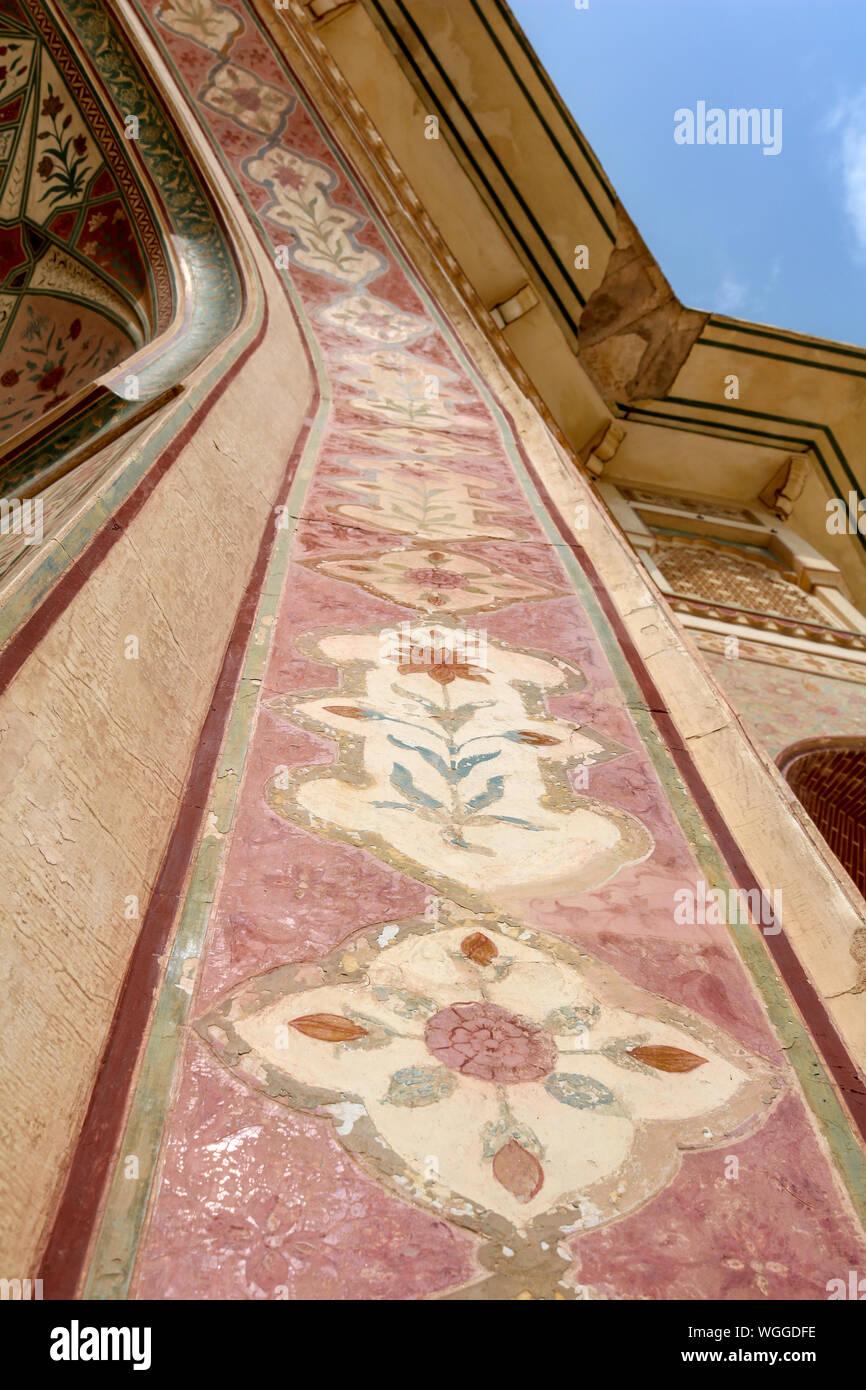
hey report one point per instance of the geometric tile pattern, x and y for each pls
(730, 578)
(694, 505)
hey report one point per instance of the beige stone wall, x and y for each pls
(96, 749)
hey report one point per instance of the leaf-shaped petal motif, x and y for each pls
(495, 791)
(401, 778)
(465, 765)
(479, 948)
(667, 1058)
(417, 1086)
(428, 754)
(328, 1027)
(583, 1092)
(532, 738)
(351, 712)
(519, 1171)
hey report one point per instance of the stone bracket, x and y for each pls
(603, 446)
(786, 485)
(514, 307)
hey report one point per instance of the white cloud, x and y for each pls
(849, 120)
(730, 296)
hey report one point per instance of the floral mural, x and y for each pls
(440, 581)
(76, 295)
(429, 1028)
(453, 768)
(503, 1077)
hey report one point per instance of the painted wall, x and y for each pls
(424, 1020)
(782, 706)
(430, 1020)
(77, 291)
(105, 693)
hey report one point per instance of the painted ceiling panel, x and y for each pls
(76, 297)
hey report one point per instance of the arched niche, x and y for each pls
(828, 777)
(117, 277)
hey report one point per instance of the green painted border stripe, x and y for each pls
(494, 198)
(766, 415)
(778, 357)
(531, 103)
(550, 88)
(690, 423)
(813, 344)
(780, 419)
(492, 155)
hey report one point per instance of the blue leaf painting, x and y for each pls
(465, 765)
(494, 791)
(401, 778)
(426, 753)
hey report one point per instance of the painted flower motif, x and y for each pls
(52, 378)
(440, 581)
(243, 96)
(65, 166)
(323, 233)
(536, 1077)
(10, 378)
(373, 319)
(491, 1042)
(443, 671)
(287, 177)
(247, 98)
(428, 503)
(212, 25)
(471, 782)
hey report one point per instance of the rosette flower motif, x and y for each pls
(503, 1076)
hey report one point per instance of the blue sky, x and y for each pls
(777, 239)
